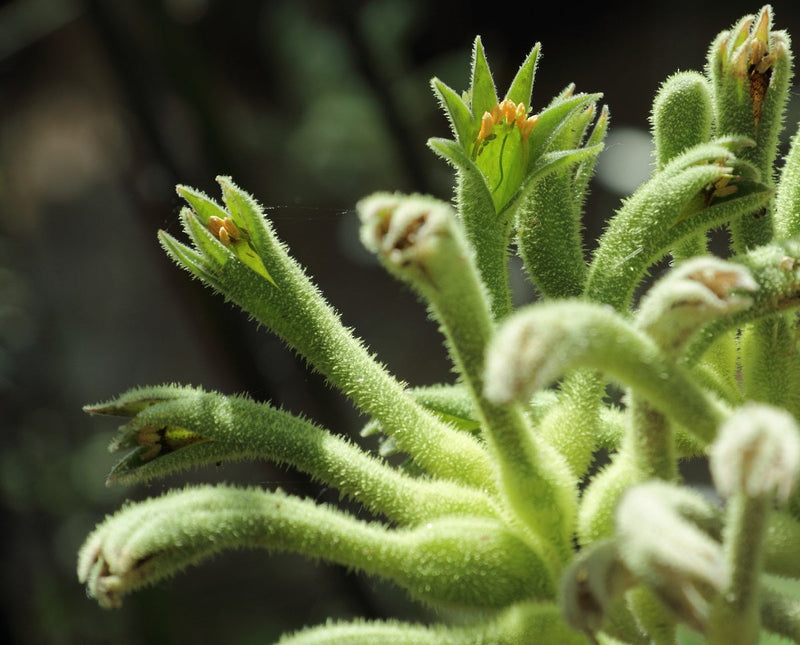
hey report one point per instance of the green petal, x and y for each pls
(457, 112)
(522, 86)
(484, 95)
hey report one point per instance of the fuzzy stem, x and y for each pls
(420, 242)
(549, 237)
(228, 428)
(779, 614)
(541, 343)
(461, 563)
(293, 308)
(578, 409)
(682, 118)
(787, 200)
(652, 616)
(735, 617)
(525, 622)
(649, 442)
(770, 369)
(489, 235)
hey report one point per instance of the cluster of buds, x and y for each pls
(512, 115)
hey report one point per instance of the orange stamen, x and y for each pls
(487, 123)
(527, 126)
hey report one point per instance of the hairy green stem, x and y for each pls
(735, 617)
(233, 428)
(293, 308)
(540, 344)
(518, 624)
(420, 242)
(460, 563)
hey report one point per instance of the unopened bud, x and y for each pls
(692, 294)
(663, 549)
(757, 452)
(403, 229)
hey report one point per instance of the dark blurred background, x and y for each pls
(104, 106)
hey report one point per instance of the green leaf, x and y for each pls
(458, 114)
(203, 205)
(482, 90)
(522, 86)
(585, 170)
(189, 259)
(572, 131)
(552, 119)
(248, 256)
(248, 216)
(453, 153)
(551, 162)
(137, 399)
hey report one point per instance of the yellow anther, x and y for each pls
(150, 437)
(527, 126)
(215, 224)
(230, 228)
(725, 191)
(487, 123)
(765, 63)
(509, 111)
(722, 187)
(224, 230)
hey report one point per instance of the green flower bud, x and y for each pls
(667, 552)
(689, 296)
(541, 343)
(405, 231)
(682, 115)
(757, 453)
(750, 71)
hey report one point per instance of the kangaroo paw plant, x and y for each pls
(497, 511)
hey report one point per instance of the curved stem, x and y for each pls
(462, 563)
(200, 428)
